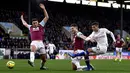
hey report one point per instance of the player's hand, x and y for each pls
(42, 6)
(114, 43)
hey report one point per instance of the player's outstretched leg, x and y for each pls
(87, 61)
(31, 63)
(43, 61)
(32, 56)
(117, 55)
(120, 57)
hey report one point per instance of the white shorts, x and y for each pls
(39, 46)
(118, 49)
(99, 49)
(51, 51)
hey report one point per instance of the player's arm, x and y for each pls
(54, 47)
(48, 47)
(110, 33)
(80, 35)
(24, 22)
(43, 22)
(123, 42)
(90, 37)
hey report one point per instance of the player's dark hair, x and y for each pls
(74, 25)
(34, 19)
(95, 23)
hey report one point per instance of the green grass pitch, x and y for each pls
(64, 66)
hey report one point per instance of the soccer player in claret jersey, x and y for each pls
(78, 44)
(37, 37)
(119, 44)
(98, 35)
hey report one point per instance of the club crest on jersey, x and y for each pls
(36, 29)
(118, 41)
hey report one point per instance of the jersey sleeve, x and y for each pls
(106, 30)
(109, 32)
(91, 35)
(29, 26)
(42, 23)
(78, 34)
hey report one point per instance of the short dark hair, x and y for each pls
(74, 25)
(34, 19)
(95, 23)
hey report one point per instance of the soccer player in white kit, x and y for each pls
(98, 35)
(37, 36)
(51, 47)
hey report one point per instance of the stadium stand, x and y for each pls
(63, 16)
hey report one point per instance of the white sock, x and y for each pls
(32, 57)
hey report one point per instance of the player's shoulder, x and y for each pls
(103, 29)
(29, 25)
(79, 33)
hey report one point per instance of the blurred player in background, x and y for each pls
(98, 35)
(51, 47)
(12, 53)
(78, 44)
(119, 44)
(37, 37)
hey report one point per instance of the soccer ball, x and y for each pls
(10, 64)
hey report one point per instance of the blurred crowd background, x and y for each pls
(63, 15)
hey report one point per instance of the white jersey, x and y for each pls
(51, 48)
(101, 36)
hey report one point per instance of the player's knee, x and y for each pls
(33, 48)
(89, 49)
